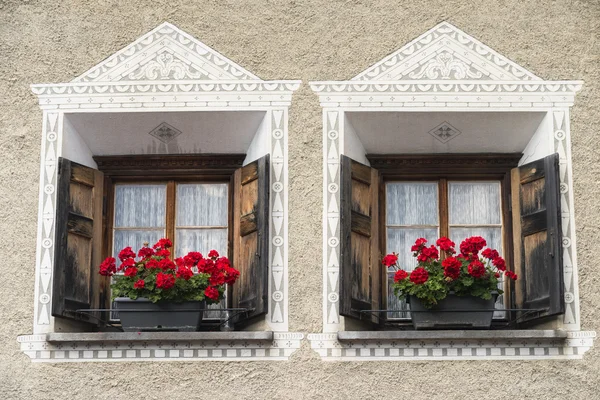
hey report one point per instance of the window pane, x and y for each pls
(202, 205)
(135, 239)
(400, 240)
(412, 203)
(474, 203)
(202, 240)
(140, 206)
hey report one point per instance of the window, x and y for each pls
(199, 202)
(385, 207)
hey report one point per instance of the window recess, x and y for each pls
(200, 202)
(386, 206)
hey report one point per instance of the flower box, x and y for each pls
(142, 315)
(453, 312)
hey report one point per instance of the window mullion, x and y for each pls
(170, 213)
(443, 208)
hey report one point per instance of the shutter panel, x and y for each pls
(537, 243)
(251, 237)
(361, 270)
(77, 284)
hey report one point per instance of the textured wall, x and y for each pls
(49, 41)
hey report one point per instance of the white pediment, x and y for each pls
(445, 53)
(166, 53)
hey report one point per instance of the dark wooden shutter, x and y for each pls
(537, 239)
(77, 284)
(360, 267)
(251, 237)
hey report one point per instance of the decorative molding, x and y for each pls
(141, 58)
(330, 348)
(39, 349)
(128, 164)
(444, 132)
(165, 132)
(445, 52)
(431, 163)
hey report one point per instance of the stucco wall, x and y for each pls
(48, 41)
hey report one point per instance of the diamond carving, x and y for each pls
(165, 132)
(444, 132)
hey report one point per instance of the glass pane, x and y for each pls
(474, 203)
(412, 203)
(140, 206)
(400, 240)
(493, 237)
(202, 205)
(202, 240)
(135, 239)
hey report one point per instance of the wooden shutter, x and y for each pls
(360, 266)
(251, 237)
(537, 239)
(77, 284)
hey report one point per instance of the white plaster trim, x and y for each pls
(280, 349)
(450, 38)
(330, 349)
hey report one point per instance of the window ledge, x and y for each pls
(452, 345)
(160, 346)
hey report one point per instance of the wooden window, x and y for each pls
(455, 196)
(199, 202)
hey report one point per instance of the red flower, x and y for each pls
(145, 252)
(419, 243)
(184, 273)
(428, 254)
(222, 263)
(206, 266)
(470, 247)
(131, 272)
(194, 256)
(212, 293)
(452, 267)
(490, 254)
(151, 264)
(497, 275)
(231, 275)
(164, 281)
(126, 253)
(446, 245)
(139, 284)
(108, 266)
(217, 279)
(400, 275)
(477, 269)
(511, 275)
(163, 253)
(499, 263)
(163, 244)
(128, 262)
(419, 276)
(166, 264)
(390, 259)
(213, 254)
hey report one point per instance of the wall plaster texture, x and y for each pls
(48, 41)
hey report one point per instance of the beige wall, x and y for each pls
(51, 41)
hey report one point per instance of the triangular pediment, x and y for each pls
(445, 53)
(166, 53)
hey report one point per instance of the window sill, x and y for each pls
(160, 346)
(451, 345)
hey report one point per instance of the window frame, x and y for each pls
(448, 167)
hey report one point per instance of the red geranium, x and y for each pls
(165, 264)
(390, 260)
(128, 262)
(419, 243)
(163, 244)
(419, 276)
(470, 247)
(126, 253)
(490, 254)
(476, 269)
(231, 275)
(400, 275)
(213, 254)
(165, 281)
(428, 254)
(139, 284)
(152, 264)
(511, 275)
(446, 245)
(108, 266)
(194, 257)
(212, 293)
(499, 263)
(146, 252)
(452, 267)
(131, 272)
(184, 273)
